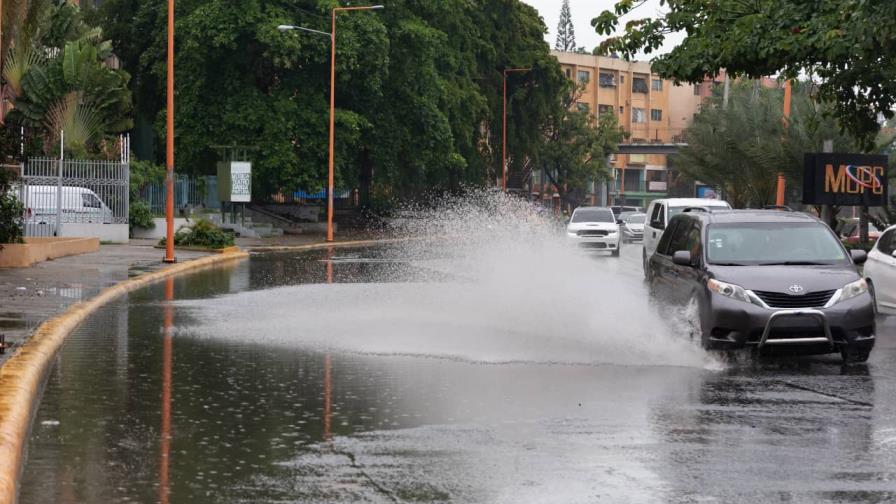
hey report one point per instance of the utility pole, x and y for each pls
(779, 200)
(169, 144)
(826, 209)
(726, 91)
(504, 128)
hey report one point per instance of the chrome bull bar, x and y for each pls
(816, 314)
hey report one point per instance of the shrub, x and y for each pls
(142, 173)
(140, 216)
(11, 210)
(203, 233)
(867, 246)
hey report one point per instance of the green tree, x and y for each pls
(11, 210)
(566, 34)
(845, 44)
(742, 148)
(578, 146)
(56, 75)
(418, 87)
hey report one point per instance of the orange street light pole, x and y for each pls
(331, 171)
(779, 200)
(169, 162)
(504, 128)
(332, 161)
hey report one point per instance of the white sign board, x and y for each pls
(655, 185)
(240, 182)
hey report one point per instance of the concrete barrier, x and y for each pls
(22, 376)
(35, 250)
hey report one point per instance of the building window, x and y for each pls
(656, 115)
(638, 115)
(696, 89)
(622, 79)
(582, 107)
(639, 85)
(568, 73)
(606, 79)
(604, 109)
(657, 85)
(584, 76)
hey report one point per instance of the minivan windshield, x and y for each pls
(633, 218)
(769, 243)
(593, 215)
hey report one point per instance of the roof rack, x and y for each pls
(782, 208)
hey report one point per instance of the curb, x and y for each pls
(22, 376)
(320, 246)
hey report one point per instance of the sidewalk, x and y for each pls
(29, 296)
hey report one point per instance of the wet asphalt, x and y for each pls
(132, 413)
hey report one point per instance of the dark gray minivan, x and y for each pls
(766, 279)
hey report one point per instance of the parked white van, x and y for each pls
(79, 204)
(658, 214)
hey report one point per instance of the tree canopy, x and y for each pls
(418, 87)
(847, 46)
(566, 33)
(55, 73)
(578, 145)
(741, 149)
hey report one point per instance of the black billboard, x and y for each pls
(845, 180)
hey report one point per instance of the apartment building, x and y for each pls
(641, 101)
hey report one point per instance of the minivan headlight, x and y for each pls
(730, 290)
(853, 289)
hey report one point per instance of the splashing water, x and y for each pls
(517, 292)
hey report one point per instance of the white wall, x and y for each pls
(158, 232)
(114, 233)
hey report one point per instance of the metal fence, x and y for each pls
(194, 192)
(83, 195)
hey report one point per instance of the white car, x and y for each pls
(594, 228)
(880, 270)
(660, 211)
(79, 204)
(632, 226)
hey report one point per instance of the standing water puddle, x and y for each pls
(502, 368)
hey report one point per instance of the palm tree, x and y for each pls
(55, 76)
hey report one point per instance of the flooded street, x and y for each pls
(408, 381)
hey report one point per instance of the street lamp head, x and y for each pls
(285, 28)
(377, 7)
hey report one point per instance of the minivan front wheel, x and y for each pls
(853, 355)
(694, 316)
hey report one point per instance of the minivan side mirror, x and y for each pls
(858, 256)
(682, 258)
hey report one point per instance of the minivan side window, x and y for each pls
(679, 240)
(662, 247)
(694, 245)
(658, 219)
(886, 243)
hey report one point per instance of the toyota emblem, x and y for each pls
(796, 289)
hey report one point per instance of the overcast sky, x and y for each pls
(583, 11)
